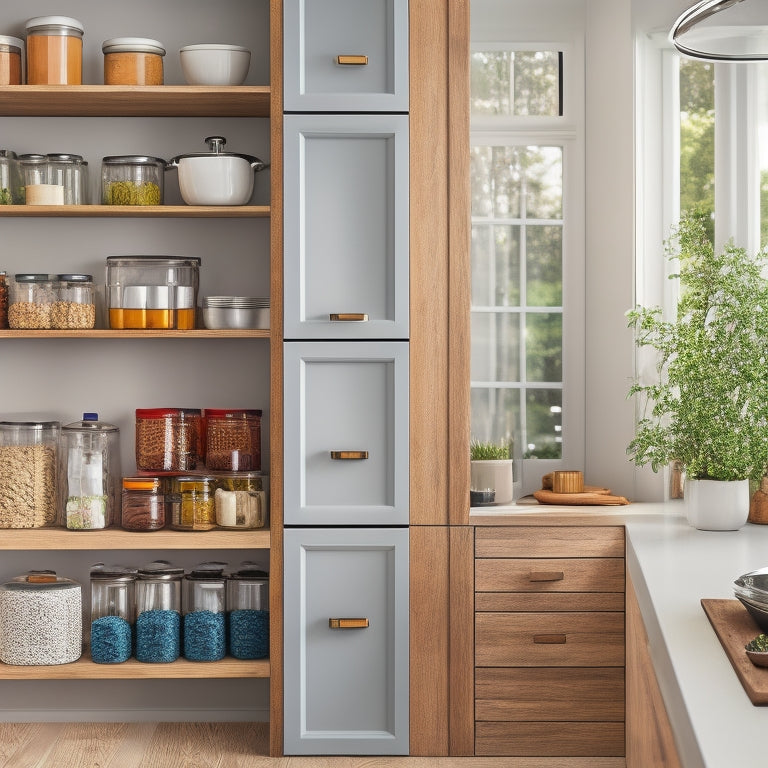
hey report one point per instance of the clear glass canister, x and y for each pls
(28, 465)
(11, 192)
(133, 61)
(11, 54)
(232, 439)
(241, 500)
(89, 483)
(71, 173)
(204, 607)
(143, 507)
(30, 301)
(54, 51)
(3, 299)
(158, 612)
(191, 503)
(168, 439)
(248, 609)
(132, 180)
(112, 613)
(75, 306)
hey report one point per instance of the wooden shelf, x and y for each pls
(85, 669)
(29, 539)
(134, 101)
(110, 333)
(138, 211)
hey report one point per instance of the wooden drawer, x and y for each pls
(604, 574)
(550, 739)
(549, 601)
(553, 541)
(568, 639)
(578, 694)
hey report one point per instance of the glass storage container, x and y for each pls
(191, 503)
(70, 172)
(133, 61)
(11, 54)
(41, 620)
(34, 169)
(54, 51)
(112, 613)
(11, 185)
(248, 612)
(241, 500)
(152, 292)
(143, 507)
(30, 301)
(3, 300)
(168, 439)
(158, 612)
(89, 476)
(232, 439)
(132, 180)
(204, 608)
(28, 464)
(75, 306)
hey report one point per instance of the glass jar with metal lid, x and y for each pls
(158, 612)
(54, 51)
(75, 306)
(191, 501)
(203, 600)
(34, 169)
(112, 613)
(248, 612)
(11, 184)
(11, 54)
(241, 500)
(143, 507)
(70, 172)
(30, 301)
(132, 180)
(133, 61)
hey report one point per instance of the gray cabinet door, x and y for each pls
(346, 433)
(345, 55)
(346, 242)
(346, 641)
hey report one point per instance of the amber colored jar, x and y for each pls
(232, 439)
(10, 60)
(168, 439)
(191, 501)
(143, 504)
(54, 51)
(133, 61)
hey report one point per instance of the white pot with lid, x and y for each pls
(216, 177)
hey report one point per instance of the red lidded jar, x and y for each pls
(233, 439)
(168, 439)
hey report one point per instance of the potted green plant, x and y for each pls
(708, 405)
(491, 476)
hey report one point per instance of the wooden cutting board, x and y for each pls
(597, 497)
(734, 628)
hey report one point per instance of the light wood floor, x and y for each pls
(206, 745)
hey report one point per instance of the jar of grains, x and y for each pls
(112, 613)
(248, 612)
(132, 180)
(75, 306)
(143, 506)
(11, 53)
(191, 503)
(28, 462)
(54, 51)
(30, 301)
(168, 439)
(203, 597)
(3, 300)
(133, 61)
(241, 501)
(158, 612)
(232, 439)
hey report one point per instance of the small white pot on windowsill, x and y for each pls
(491, 482)
(716, 505)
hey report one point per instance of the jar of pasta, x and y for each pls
(192, 503)
(133, 61)
(54, 51)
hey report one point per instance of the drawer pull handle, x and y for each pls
(349, 455)
(546, 576)
(349, 317)
(549, 639)
(348, 623)
(348, 59)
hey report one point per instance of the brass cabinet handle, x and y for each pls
(361, 623)
(349, 455)
(546, 576)
(549, 639)
(348, 317)
(346, 59)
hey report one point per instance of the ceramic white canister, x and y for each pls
(495, 475)
(716, 505)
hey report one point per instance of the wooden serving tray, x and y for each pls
(734, 628)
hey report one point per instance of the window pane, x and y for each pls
(543, 167)
(495, 346)
(543, 346)
(544, 266)
(495, 265)
(495, 414)
(543, 420)
(515, 83)
(496, 175)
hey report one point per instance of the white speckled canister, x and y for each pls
(41, 620)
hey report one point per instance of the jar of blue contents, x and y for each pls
(112, 613)
(158, 612)
(203, 604)
(248, 612)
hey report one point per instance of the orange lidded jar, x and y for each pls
(54, 51)
(133, 61)
(11, 49)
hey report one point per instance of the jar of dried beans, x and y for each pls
(54, 51)
(232, 439)
(191, 501)
(133, 61)
(143, 506)
(30, 301)
(75, 306)
(168, 439)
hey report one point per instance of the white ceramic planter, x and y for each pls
(493, 474)
(716, 505)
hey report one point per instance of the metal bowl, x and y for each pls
(234, 318)
(759, 614)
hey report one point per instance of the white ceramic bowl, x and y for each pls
(213, 64)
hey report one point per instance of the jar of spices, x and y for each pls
(248, 612)
(132, 180)
(112, 613)
(3, 300)
(133, 61)
(143, 507)
(11, 192)
(75, 306)
(158, 612)
(54, 51)
(203, 605)
(71, 173)
(168, 439)
(232, 439)
(241, 501)
(11, 53)
(191, 503)
(30, 301)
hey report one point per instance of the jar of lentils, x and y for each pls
(112, 613)
(30, 301)
(248, 612)
(75, 306)
(168, 439)
(203, 598)
(158, 612)
(191, 503)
